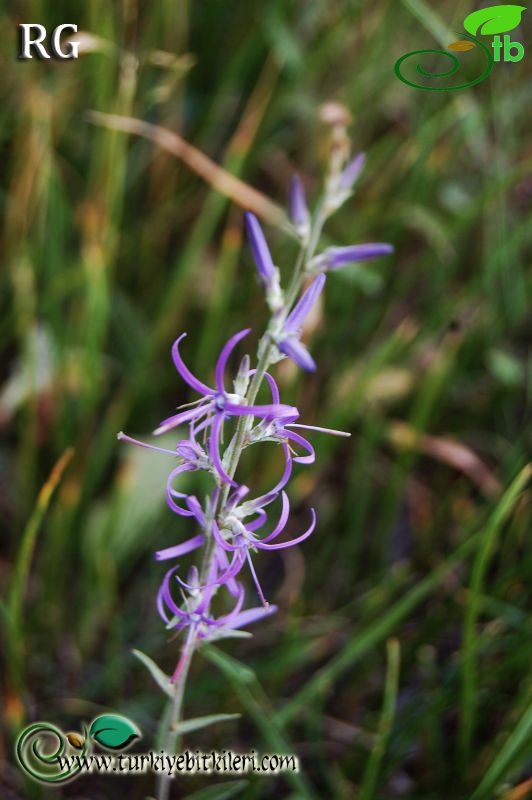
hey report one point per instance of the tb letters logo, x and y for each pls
(33, 42)
(486, 21)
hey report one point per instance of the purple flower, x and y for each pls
(239, 538)
(351, 172)
(336, 257)
(193, 457)
(288, 342)
(216, 405)
(280, 431)
(268, 273)
(260, 249)
(197, 618)
(298, 207)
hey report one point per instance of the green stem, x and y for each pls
(172, 735)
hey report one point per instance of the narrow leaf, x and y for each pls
(254, 699)
(189, 725)
(470, 673)
(161, 679)
(232, 668)
(517, 743)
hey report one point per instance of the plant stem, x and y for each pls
(172, 734)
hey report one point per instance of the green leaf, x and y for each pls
(496, 19)
(113, 732)
(161, 678)
(516, 745)
(189, 725)
(220, 791)
(233, 668)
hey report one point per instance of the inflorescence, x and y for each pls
(230, 524)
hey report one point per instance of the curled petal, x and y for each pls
(197, 511)
(180, 549)
(270, 496)
(236, 497)
(285, 510)
(292, 542)
(230, 548)
(185, 373)
(227, 349)
(232, 586)
(223, 621)
(274, 389)
(164, 598)
(294, 349)
(214, 449)
(304, 443)
(258, 522)
(232, 569)
(171, 493)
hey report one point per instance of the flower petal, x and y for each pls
(259, 248)
(179, 419)
(250, 615)
(298, 206)
(214, 449)
(336, 257)
(305, 444)
(285, 511)
(292, 542)
(164, 597)
(180, 549)
(297, 351)
(123, 437)
(184, 371)
(226, 351)
(276, 410)
(351, 172)
(171, 493)
(304, 306)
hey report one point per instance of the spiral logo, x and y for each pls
(40, 747)
(493, 20)
(455, 67)
(44, 752)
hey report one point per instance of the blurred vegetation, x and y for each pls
(111, 247)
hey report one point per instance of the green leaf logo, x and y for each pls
(496, 19)
(113, 732)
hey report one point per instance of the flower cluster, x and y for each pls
(231, 526)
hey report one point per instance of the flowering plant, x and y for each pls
(230, 522)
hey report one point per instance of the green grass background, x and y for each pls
(399, 662)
